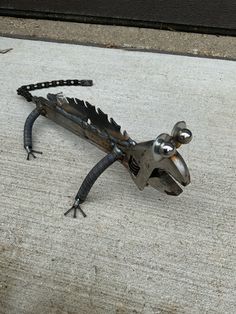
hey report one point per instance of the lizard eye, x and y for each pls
(165, 149)
(184, 136)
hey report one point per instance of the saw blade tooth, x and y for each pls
(79, 102)
(70, 100)
(117, 126)
(90, 107)
(74, 102)
(99, 111)
(81, 105)
(113, 122)
(103, 115)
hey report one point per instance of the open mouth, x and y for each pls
(168, 180)
(163, 182)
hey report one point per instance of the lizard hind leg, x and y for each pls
(28, 133)
(90, 179)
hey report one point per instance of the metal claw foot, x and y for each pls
(75, 207)
(31, 152)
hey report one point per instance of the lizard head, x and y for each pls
(158, 163)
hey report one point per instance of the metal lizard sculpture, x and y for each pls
(156, 162)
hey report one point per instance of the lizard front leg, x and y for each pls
(28, 133)
(90, 179)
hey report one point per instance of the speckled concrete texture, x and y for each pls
(121, 37)
(136, 252)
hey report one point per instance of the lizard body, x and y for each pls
(156, 162)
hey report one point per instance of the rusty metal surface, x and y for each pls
(153, 163)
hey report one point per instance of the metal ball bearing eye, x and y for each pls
(184, 136)
(167, 149)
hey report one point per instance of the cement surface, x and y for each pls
(123, 37)
(136, 252)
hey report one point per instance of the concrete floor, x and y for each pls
(136, 252)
